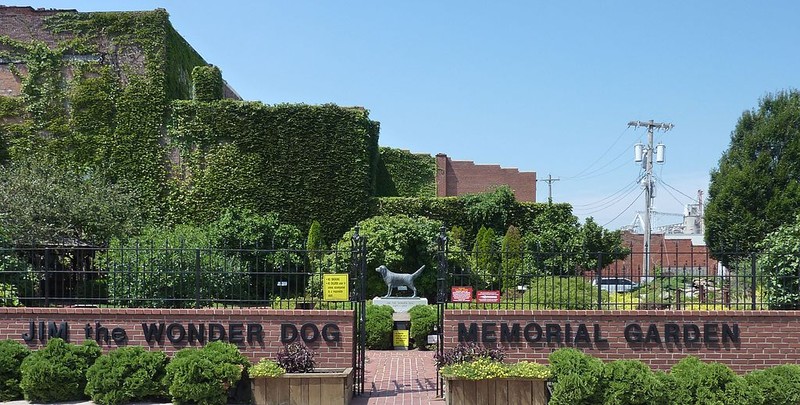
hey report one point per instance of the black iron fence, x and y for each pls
(166, 277)
(524, 279)
(677, 279)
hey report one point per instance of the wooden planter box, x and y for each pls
(323, 386)
(496, 391)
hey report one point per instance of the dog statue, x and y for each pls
(393, 279)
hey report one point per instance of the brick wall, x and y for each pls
(14, 322)
(765, 338)
(459, 177)
(671, 254)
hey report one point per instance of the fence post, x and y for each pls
(197, 278)
(47, 277)
(753, 279)
(598, 273)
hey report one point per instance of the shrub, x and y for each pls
(710, 383)
(401, 243)
(379, 327)
(266, 368)
(576, 377)
(779, 385)
(11, 356)
(630, 382)
(205, 375)
(423, 321)
(57, 372)
(127, 374)
(551, 292)
(468, 352)
(164, 271)
(296, 358)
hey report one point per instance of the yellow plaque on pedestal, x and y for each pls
(400, 338)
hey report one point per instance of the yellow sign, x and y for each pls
(400, 338)
(336, 287)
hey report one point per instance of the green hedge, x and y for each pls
(423, 320)
(57, 373)
(127, 374)
(304, 162)
(205, 375)
(379, 327)
(582, 379)
(405, 174)
(11, 356)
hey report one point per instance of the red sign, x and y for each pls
(461, 294)
(488, 296)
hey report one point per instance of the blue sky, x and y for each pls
(542, 86)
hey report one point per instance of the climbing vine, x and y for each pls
(405, 174)
(100, 98)
(304, 162)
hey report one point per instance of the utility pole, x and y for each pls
(550, 181)
(644, 153)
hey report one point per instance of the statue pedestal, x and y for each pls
(400, 304)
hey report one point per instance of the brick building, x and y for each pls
(459, 177)
(26, 24)
(674, 254)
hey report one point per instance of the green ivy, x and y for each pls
(405, 174)
(108, 117)
(303, 162)
(207, 83)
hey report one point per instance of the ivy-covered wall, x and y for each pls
(305, 162)
(98, 99)
(405, 174)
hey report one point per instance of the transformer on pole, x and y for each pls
(644, 154)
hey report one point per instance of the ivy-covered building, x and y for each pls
(123, 96)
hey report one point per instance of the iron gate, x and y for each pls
(358, 293)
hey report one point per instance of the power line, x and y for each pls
(601, 156)
(610, 204)
(669, 192)
(693, 199)
(626, 209)
(602, 201)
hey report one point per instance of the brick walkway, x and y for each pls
(399, 378)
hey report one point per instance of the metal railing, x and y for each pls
(678, 279)
(153, 277)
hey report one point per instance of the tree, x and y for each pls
(780, 265)
(486, 258)
(44, 203)
(400, 242)
(596, 240)
(755, 189)
(512, 257)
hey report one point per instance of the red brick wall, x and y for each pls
(14, 322)
(671, 255)
(766, 338)
(459, 177)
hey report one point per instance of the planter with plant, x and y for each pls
(477, 375)
(293, 378)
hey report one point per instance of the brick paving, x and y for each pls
(399, 378)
